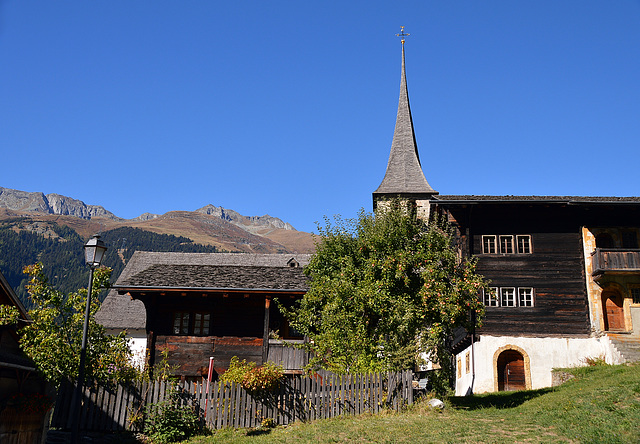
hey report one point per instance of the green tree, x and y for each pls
(384, 289)
(54, 337)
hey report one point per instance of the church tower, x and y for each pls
(404, 178)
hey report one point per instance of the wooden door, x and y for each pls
(511, 371)
(613, 311)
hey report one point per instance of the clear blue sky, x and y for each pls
(288, 107)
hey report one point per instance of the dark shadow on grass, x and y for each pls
(500, 400)
(258, 432)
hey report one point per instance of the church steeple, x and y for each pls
(404, 177)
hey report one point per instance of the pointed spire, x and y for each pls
(404, 174)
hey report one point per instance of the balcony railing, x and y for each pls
(616, 260)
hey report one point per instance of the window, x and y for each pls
(182, 326)
(635, 294)
(525, 297)
(523, 242)
(512, 297)
(181, 323)
(506, 244)
(491, 297)
(201, 324)
(459, 367)
(508, 297)
(468, 362)
(489, 245)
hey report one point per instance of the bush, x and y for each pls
(174, 419)
(253, 378)
(237, 370)
(266, 377)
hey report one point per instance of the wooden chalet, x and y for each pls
(564, 272)
(220, 305)
(17, 372)
(18, 378)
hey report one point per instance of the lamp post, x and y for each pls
(94, 250)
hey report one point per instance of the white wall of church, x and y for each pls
(542, 356)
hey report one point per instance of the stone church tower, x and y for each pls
(404, 178)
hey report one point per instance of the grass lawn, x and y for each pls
(600, 405)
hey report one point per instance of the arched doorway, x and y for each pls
(511, 371)
(612, 306)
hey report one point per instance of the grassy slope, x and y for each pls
(602, 404)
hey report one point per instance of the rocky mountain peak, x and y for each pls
(236, 218)
(50, 204)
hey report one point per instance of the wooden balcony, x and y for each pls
(292, 359)
(616, 261)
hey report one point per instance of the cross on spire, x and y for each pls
(402, 35)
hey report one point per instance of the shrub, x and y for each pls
(263, 378)
(251, 377)
(237, 370)
(174, 419)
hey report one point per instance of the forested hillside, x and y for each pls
(24, 241)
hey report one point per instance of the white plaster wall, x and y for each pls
(137, 342)
(544, 355)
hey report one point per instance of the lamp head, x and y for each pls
(94, 251)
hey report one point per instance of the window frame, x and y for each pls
(503, 291)
(526, 237)
(489, 238)
(509, 239)
(181, 321)
(491, 295)
(201, 323)
(531, 297)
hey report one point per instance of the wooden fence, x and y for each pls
(297, 398)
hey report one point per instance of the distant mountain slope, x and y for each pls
(210, 225)
(24, 241)
(50, 204)
(53, 229)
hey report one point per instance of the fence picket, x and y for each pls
(298, 398)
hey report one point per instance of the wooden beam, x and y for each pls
(265, 335)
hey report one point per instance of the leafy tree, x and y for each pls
(385, 288)
(54, 337)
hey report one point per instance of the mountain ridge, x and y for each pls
(213, 225)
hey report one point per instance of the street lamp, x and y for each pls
(93, 252)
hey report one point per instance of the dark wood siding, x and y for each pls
(554, 269)
(236, 329)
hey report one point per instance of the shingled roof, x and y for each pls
(218, 277)
(206, 271)
(404, 173)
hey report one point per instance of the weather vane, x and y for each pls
(402, 34)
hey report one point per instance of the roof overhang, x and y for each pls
(535, 200)
(143, 289)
